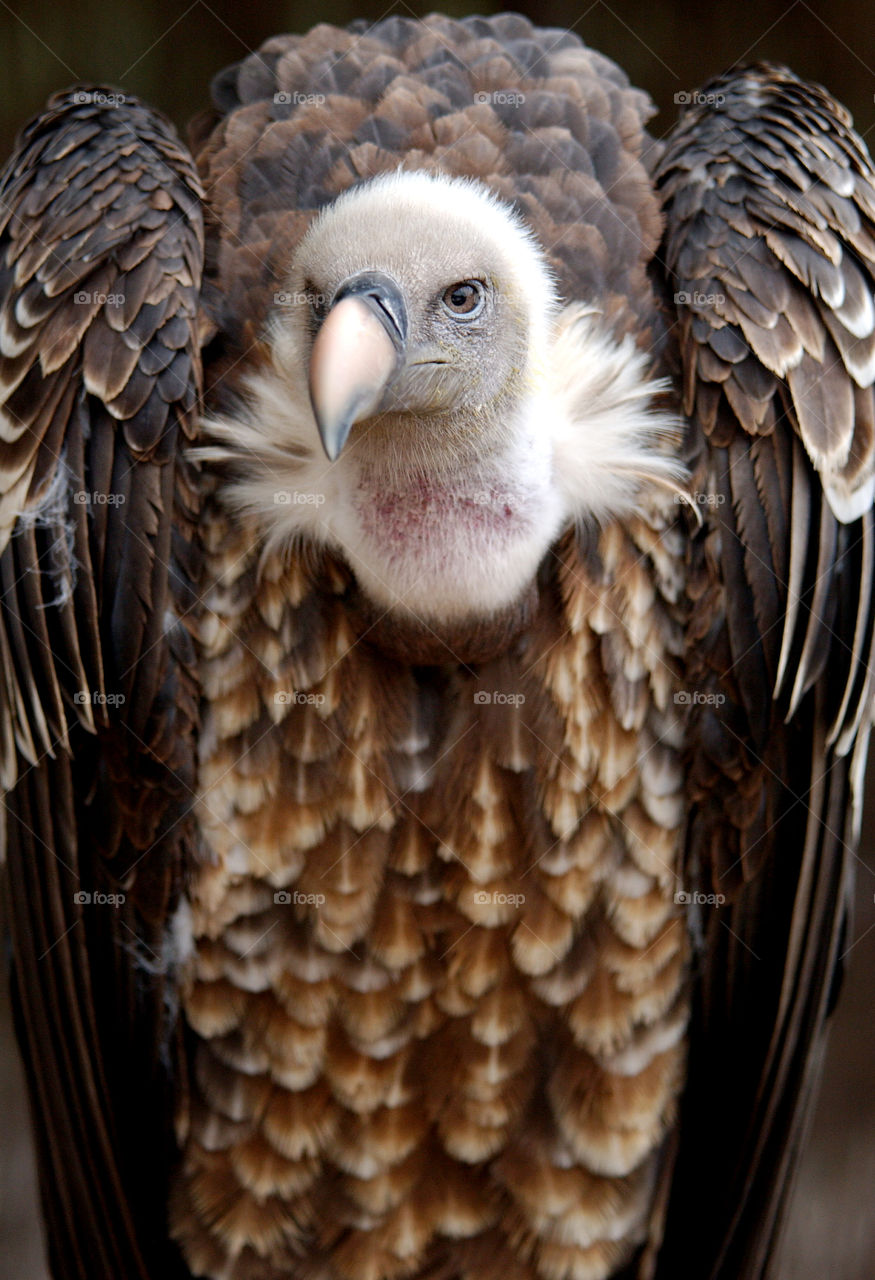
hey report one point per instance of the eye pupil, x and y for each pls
(463, 298)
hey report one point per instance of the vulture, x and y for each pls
(436, 521)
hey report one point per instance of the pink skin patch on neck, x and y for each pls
(425, 512)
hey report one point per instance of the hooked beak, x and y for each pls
(356, 352)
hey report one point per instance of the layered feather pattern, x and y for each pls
(463, 943)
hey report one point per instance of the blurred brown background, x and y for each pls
(168, 52)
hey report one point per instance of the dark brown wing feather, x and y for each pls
(100, 265)
(770, 250)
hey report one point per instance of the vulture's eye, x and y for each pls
(464, 299)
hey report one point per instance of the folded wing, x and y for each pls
(769, 255)
(100, 265)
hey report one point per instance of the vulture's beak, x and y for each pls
(357, 350)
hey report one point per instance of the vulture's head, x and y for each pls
(430, 410)
(431, 308)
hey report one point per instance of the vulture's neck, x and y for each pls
(448, 534)
(447, 522)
